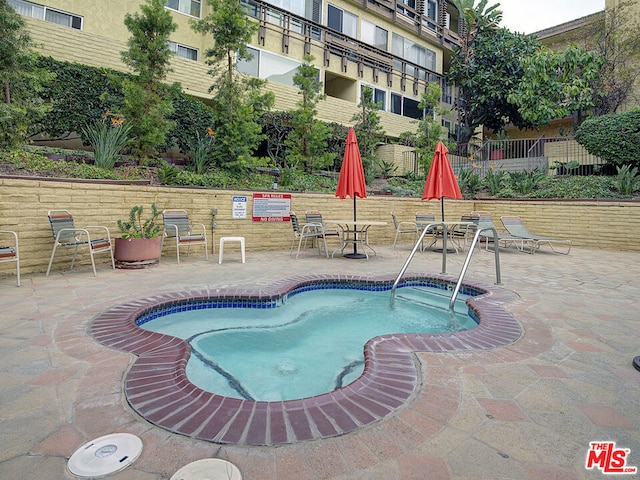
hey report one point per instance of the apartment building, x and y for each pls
(395, 47)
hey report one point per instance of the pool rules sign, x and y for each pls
(271, 207)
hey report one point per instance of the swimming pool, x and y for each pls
(310, 343)
(156, 386)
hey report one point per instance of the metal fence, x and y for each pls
(557, 156)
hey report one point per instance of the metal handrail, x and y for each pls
(444, 259)
(468, 259)
(413, 252)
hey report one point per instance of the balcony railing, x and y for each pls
(295, 28)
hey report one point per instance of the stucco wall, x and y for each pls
(24, 205)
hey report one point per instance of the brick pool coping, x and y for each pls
(156, 385)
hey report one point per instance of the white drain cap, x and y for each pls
(105, 455)
(208, 469)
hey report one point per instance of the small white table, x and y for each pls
(223, 240)
(355, 232)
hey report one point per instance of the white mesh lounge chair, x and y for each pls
(516, 228)
(505, 240)
(178, 228)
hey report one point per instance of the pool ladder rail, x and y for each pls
(444, 259)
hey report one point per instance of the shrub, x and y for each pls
(107, 137)
(469, 181)
(627, 180)
(136, 228)
(615, 137)
(494, 180)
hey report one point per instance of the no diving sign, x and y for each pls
(271, 207)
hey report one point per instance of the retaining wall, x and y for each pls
(24, 204)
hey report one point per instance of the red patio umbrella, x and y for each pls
(351, 182)
(441, 181)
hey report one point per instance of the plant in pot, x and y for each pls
(140, 243)
(499, 145)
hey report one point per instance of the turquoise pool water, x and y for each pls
(311, 343)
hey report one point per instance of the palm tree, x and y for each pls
(476, 16)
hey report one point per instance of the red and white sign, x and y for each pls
(271, 207)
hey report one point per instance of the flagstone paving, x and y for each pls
(527, 410)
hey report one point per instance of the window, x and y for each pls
(47, 14)
(373, 35)
(410, 51)
(309, 9)
(189, 7)
(379, 96)
(447, 92)
(183, 51)
(297, 7)
(342, 21)
(432, 9)
(407, 107)
(269, 66)
(401, 7)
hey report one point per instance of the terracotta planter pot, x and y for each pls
(137, 252)
(497, 155)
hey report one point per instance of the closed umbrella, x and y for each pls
(351, 182)
(441, 181)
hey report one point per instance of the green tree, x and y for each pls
(147, 100)
(368, 131)
(238, 102)
(616, 39)
(486, 68)
(430, 131)
(21, 109)
(556, 85)
(307, 141)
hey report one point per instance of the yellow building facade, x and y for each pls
(395, 47)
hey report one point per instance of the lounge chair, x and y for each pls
(66, 234)
(178, 228)
(516, 228)
(402, 228)
(10, 253)
(306, 231)
(484, 220)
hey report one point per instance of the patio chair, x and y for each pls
(314, 216)
(306, 231)
(402, 228)
(464, 232)
(422, 220)
(178, 228)
(516, 228)
(10, 253)
(66, 234)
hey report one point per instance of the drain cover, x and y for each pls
(105, 455)
(208, 469)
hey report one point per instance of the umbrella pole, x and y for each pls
(355, 253)
(442, 205)
(355, 245)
